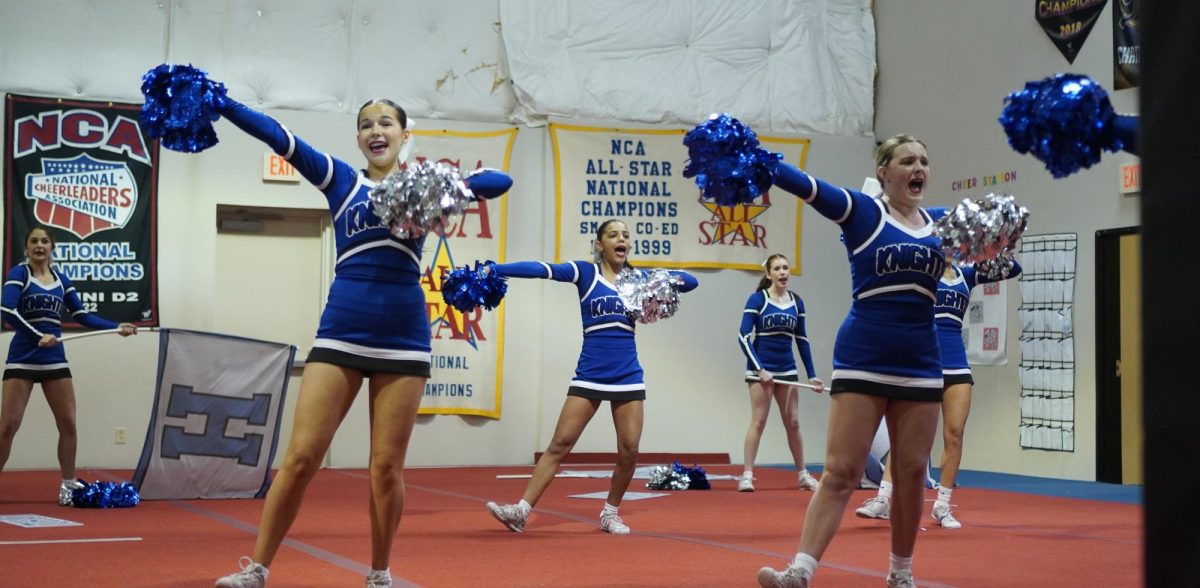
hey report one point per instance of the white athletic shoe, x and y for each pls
(253, 575)
(746, 483)
(788, 578)
(511, 515)
(945, 517)
(65, 495)
(808, 482)
(876, 507)
(612, 523)
(379, 579)
(898, 579)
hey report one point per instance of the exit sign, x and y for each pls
(1131, 178)
(277, 169)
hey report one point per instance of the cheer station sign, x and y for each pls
(88, 172)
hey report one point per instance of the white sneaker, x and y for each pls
(808, 482)
(789, 578)
(746, 483)
(898, 579)
(945, 517)
(512, 515)
(612, 523)
(876, 507)
(253, 575)
(379, 579)
(66, 490)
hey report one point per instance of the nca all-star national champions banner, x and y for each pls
(87, 171)
(636, 176)
(467, 347)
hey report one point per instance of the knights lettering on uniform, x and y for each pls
(952, 299)
(779, 321)
(359, 218)
(41, 302)
(607, 306)
(901, 257)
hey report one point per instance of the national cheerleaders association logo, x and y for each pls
(82, 195)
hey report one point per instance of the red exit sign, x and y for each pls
(276, 169)
(1131, 178)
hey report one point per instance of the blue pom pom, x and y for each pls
(181, 105)
(465, 288)
(729, 166)
(105, 495)
(696, 477)
(1064, 121)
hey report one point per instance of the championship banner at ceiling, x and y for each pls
(636, 176)
(1068, 22)
(1127, 44)
(467, 348)
(89, 172)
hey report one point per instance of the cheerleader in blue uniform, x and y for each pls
(772, 320)
(34, 298)
(608, 369)
(954, 293)
(374, 327)
(885, 359)
(953, 297)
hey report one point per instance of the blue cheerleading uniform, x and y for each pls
(953, 297)
(375, 317)
(887, 346)
(608, 367)
(33, 310)
(766, 335)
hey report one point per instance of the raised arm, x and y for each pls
(830, 201)
(487, 183)
(559, 272)
(689, 281)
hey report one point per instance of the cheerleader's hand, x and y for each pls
(765, 377)
(820, 386)
(126, 329)
(48, 341)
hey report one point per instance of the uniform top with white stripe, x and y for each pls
(608, 361)
(767, 331)
(365, 247)
(35, 309)
(953, 298)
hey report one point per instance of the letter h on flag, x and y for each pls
(215, 422)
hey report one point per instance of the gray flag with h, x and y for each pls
(215, 422)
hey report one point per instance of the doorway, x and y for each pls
(1119, 433)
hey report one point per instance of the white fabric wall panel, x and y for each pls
(80, 49)
(778, 65)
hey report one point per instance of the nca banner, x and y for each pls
(88, 172)
(636, 176)
(215, 422)
(467, 347)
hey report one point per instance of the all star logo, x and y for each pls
(735, 225)
(82, 195)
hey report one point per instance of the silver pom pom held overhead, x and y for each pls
(983, 231)
(648, 295)
(425, 197)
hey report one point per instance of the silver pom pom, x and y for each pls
(421, 198)
(982, 230)
(999, 268)
(650, 295)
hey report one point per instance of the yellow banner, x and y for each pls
(636, 176)
(467, 348)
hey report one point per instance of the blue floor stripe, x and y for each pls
(1119, 493)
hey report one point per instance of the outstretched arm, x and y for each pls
(316, 167)
(689, 281)
(559, 272)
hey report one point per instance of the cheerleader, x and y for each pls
(772, 319)
(885, 359)
(374, 327)
(608, 369)
(34, 298)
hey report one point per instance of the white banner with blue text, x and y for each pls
(636, 176)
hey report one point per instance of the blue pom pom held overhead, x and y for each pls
(1064, 121)
(181, 105)
(465, 288)
(729, 166)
